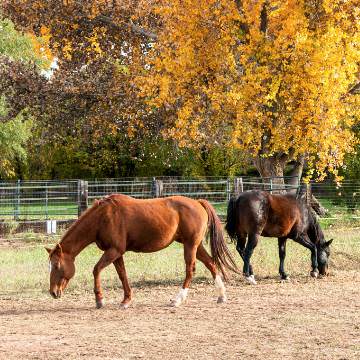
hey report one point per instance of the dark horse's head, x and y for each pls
(62, 269)
(323, 256)
(316, 235)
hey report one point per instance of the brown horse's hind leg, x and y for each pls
(206, 259)
(108, 257)
(190, 257)
(120, 268)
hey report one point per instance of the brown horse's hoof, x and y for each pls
(99, 304)
(124, 306)
(175, 303)
(221, 299)
(314, 274)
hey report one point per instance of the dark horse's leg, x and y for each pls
(120, 269)
(249, 249)
(108, 257)
(240, 247)
(282, 253)
(206, 259)
(305, 241)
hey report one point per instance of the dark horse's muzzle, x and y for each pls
(323, 270)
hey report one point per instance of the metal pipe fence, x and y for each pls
(35, 202)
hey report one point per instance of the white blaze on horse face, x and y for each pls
(50, 266)
(180, 297)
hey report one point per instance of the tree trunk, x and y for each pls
(271, 169)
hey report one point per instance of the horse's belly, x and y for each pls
(275, 231)
(149, 246)
(150, 238)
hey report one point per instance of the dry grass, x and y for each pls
(300, 319)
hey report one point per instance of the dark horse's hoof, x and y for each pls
(314, 274)
(285, 277)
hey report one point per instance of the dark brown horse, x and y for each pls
(119, 223)
(256, 213)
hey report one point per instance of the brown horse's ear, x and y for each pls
(48, 250)
(58, 250)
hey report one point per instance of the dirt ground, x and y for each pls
(300, 319)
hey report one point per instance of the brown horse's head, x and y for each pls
(62, 269)
(323, 257)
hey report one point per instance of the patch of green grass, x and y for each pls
(220, 208)
(25, 268)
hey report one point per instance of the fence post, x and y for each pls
(238, 186)
(308, 194)
(83, 193)
(17, 201)
(46, 201)
(157, 188)
(228, 189)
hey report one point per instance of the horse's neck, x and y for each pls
(318, 233)
(78, 238)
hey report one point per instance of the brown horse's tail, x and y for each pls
(219, 250)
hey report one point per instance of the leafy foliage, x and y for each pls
(275, 74)
(271, 79)
(15, 133)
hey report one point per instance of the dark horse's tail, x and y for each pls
(219, 250)
(231, 218)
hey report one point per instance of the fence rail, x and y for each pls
(63, 200)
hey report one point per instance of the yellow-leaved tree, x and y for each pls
(273, 78)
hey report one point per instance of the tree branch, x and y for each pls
(355, 89)
(130, 27)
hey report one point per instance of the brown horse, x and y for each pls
(119, 223)
(256, 213)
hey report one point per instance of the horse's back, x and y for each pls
(253, 211)
(267, 214)
(148, 225)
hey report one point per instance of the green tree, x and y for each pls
(15, 132)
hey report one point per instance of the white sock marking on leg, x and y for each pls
(251, 279)
(220, 285)
(180, 297)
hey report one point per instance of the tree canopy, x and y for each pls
(274, 79)
(14, 133)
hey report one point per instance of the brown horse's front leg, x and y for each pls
(120, 269)
(106, 259)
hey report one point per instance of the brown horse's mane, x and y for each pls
(87, 213)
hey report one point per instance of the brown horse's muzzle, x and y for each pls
(57, 290)
(55, 294)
